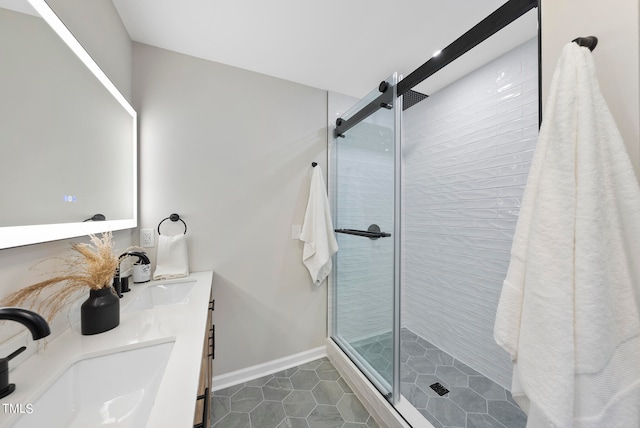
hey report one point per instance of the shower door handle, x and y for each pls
(372, 233)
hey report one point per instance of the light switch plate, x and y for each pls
(296, 229)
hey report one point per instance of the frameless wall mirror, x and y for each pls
(68, 136)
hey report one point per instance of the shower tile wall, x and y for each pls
(466, 154)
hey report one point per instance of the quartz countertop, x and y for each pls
(184, 324)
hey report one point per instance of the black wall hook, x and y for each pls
(314, 164)
(588, 42)
(173, 217)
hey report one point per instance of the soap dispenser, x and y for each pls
(141, 268)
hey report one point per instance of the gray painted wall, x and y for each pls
(231, 151)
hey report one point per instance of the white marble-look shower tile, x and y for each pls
(463, 180)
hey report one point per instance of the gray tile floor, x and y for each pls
(312, 395)
(473, 400)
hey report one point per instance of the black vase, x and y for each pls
(100, 312)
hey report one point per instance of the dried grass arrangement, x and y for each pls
(89, 266)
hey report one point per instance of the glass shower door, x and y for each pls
(364, 177)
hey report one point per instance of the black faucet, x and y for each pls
(121, 285)
(37, 326)
(142, 257)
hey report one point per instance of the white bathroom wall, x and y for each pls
(466, 155)
(98, 27)
(230, 151)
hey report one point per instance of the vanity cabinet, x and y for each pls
(203, 402)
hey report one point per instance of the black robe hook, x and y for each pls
(588, 42)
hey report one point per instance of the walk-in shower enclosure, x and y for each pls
(425, 199)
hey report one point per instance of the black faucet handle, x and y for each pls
(37, 326)
(117, 286)
(124, 285)
(7, 388)
(15, 353)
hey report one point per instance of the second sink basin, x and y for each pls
(115, 390)
(161, 295)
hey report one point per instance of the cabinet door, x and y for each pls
(203, 410)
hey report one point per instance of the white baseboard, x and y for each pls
(254, 372)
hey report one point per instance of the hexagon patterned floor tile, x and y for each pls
(312, 395)
(473, 401)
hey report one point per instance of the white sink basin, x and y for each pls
(114, 390)
(161, 295)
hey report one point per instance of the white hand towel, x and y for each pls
(172, 260)
(317, 231)
(569, 312)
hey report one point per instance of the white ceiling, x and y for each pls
(347, 46)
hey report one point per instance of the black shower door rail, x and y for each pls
(496, 21)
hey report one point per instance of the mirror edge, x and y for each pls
(16, 236)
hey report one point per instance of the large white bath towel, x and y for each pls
(317, 231)
(569, 309)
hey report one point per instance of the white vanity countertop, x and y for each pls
(184, 324)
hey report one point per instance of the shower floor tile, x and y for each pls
(473, 401)
(312, 395)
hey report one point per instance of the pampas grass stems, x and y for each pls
(89, 266)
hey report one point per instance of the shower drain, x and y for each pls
(437, 387)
